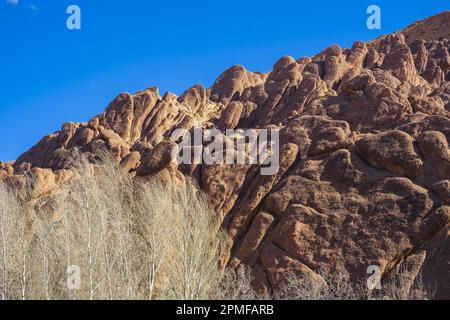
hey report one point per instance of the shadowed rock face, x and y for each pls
(364, 172)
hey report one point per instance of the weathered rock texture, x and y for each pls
(365, 160)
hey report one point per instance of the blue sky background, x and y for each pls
(50, 75)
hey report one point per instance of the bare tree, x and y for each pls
(193, 250)
(130, 240)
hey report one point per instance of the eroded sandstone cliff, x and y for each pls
(364, 156)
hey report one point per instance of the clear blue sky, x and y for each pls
(50, 75)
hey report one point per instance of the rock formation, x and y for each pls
(364, 174)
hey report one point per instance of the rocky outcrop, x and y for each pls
(364, 157)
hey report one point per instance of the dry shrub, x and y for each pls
(400, 286)
(333, 287)
(339, 287)
(237, 284)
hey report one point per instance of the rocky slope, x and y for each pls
(364, 157)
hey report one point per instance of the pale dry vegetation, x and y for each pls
(128, 240)
(332, 287)
(105, 236)
(336, 286)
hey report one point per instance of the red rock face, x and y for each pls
(364, 172)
